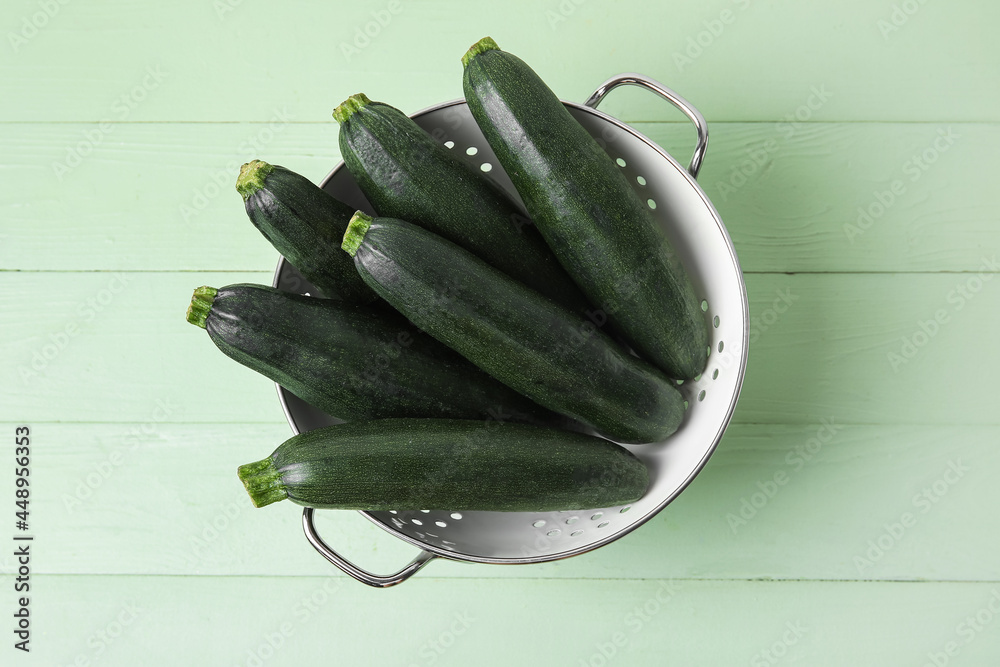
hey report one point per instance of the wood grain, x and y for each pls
(860, 347)
(822, 501)
(287, 621)
(759, 62)
(162, 197)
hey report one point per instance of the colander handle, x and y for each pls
(364, 576)
(633, 79)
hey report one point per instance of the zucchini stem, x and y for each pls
(350, 106)
(251, 178)
(262, 480)
(201, 304)
(483, 45)
(356, 230)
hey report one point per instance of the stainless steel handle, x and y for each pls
(364, 576)
(633, 79)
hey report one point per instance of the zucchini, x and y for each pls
(446, 464)
(406, 174)
(305, 225)
(602, 232)
(533, 345)
(352, 362)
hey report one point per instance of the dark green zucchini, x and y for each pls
(446, 464)
(406, 174)
(533, 345)
(305, 225)
(595, 223)
(353, 362)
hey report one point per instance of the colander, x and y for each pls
(703, 245)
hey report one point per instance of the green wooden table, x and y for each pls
(853, 158)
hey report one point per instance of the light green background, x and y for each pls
(121, 128)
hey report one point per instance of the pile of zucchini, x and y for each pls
(465, 351)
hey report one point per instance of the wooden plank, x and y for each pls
(819, 501)
(757, 60)
(860, 347)
(161, 196)
(252, 621)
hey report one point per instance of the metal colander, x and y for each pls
(703, 244)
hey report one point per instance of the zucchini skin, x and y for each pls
(406, 174)
(305, 225)
(581, 202)
(446, 464)
(355, 362)
(533, 345)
